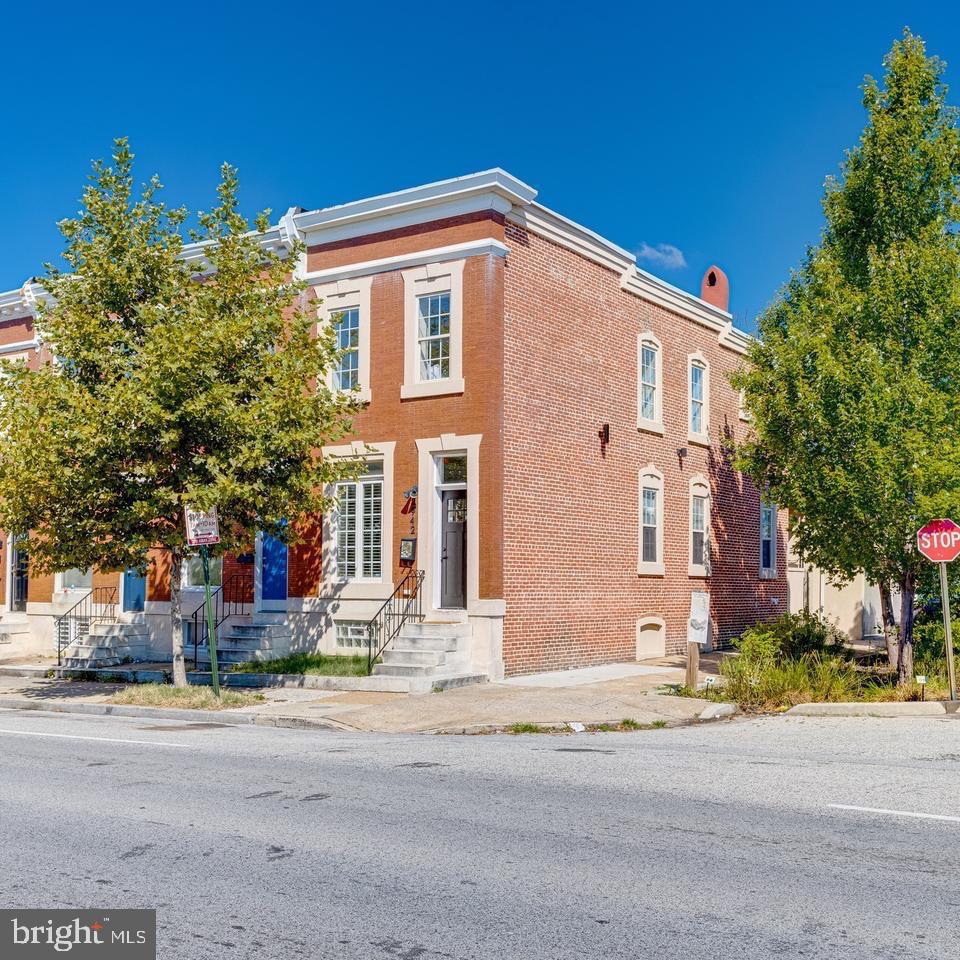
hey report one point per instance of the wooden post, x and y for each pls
(693, 664)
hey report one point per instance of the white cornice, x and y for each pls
(736, 339)
(649, 287)
(553, 226)
(558, 228)
(489, 190)
(456, 251)
(21, 303)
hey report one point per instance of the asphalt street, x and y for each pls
(762, 839)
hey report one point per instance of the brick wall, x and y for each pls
(388, 417)
(570, 508)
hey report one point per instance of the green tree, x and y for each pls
(184, 375)
(854, 384)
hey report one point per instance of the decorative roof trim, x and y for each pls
(571, 235)
(493, 189)
(736, 339)
(490, 189)
(553, 226)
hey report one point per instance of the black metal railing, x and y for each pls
(98, 605)
(405, 603)
(229, 599)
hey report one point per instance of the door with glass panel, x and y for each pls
(452, 490)
(19, 573)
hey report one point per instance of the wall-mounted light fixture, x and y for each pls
(604, 433)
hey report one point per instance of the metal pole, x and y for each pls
(948, 636)
(211, 637)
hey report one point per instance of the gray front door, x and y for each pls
(453, 549)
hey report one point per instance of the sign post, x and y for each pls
(939, 541)
(203, 529)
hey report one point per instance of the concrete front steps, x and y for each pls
(108, 645)
(430, 653)
(263, 636)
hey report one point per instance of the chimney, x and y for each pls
(715, 288)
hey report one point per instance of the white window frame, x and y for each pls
(654, 424)
(702, 438)
(61, 587)
(359, 485)
(184, 585)
(432, 279)
(348, 295)
(650, 478)
(329, 583)
(770, 572)
(699, 487)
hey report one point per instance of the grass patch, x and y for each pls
(525, 728)
(769, 685)
(624, 726)
(309, 664)
(187, 698)
(627, 725)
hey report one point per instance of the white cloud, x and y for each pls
(664, 255)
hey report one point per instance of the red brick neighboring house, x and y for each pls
(545, 418)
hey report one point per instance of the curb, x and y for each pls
(716, 711)
(229, 717)
(910, 708)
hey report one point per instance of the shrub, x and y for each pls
(768, 684)
(790, 637)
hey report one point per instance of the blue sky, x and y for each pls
(686, 132)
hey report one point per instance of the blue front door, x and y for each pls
(134, 591)
(273, 558)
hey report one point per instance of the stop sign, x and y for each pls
(939, 540)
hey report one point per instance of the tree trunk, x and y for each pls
(905, 640)
(889, 623)
(176, 618)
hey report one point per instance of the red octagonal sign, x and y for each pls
(939, 540)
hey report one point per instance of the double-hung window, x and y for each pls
(360, 525)
(347, 331)
(698, 376)
(345, 312)
(433, 336)
(648, 381)
(699, 527)
(650, 560)
(433, 330)
(650, 522)
(768, 540)
(649, 384)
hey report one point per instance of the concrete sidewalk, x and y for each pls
(585, 696)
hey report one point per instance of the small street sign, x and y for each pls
(203, 528)
(939, 541)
